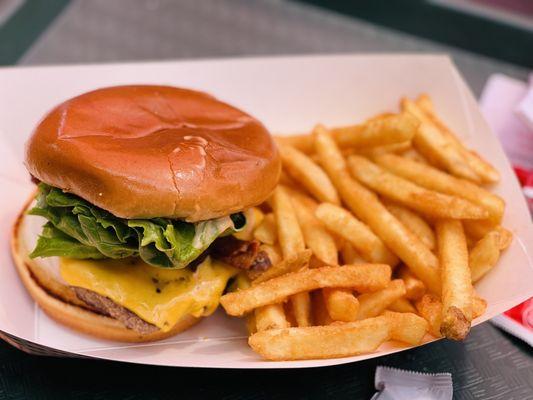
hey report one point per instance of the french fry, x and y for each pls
(271, 316)
(479, 306)
(414, 287)
(506, 237)
(361, 278)
(302, 142)
(273, 252)
(432, 178)
(337, 340)
(308, 174)
(411, 195)
(437, 148)
(386, 130)
(373, 304)
(486, 172)
(414, 222)
(301, 308)
(366, 206)
(412, 154)
(316, 237)
(341, 304)
(457, 291)
(407, 327)
(375, 151)
(344, 224)
(320, 312)
(402, 305)
(251, 324)
(293, 263)
(291, 241)
(350, 255)
(266, 232)
(290, 235)
(430, 308)
(484, 255)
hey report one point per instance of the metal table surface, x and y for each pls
(489, 364)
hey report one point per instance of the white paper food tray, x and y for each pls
(289, 94)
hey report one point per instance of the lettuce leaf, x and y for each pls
(78, 229)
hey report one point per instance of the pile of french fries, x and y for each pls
(376, 232)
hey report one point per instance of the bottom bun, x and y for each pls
(71, 315)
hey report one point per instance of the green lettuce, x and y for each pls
(78, 229)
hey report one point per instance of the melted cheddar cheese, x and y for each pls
(157, 295)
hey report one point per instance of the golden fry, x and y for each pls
(407, 327)
(484, 255)
(414, 222)
(486, 172)
(291, 264)
(430, 308)
(411, 195)
(310, 175)
(344, 224)
(373, 304)
(361, 278)
(266, 232)
(337, 340)
(437, 148)
(432, 178)
(390, 129)
(350, 255)
(290, 235)
(366, 206)
(402, 305)
(316, 237)
(341, 304)
(457, 291)
(270, 316)
(414, 287)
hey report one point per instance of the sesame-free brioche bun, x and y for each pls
(155, 151)
(61, 304)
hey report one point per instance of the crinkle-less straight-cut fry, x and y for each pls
(307, 173)
(414, 287)
(486, 172)
(414, 222)
(479, 306)
(291, 241)
(389, 129)
(361, 278)
(373, 304)
(484, 255)
(290, 235)
(430, 308)
(430, 141)
(411, 195)
(344, 224)
(316, 236)
(271, 316)
(402, 305)
(407, 327)
(350, 255)
(366, 206)
(457, 291)
(431, 178)
(338, 340)
(292, 263)
(266, 231)
(341, 304)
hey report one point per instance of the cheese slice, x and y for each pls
(157, 295)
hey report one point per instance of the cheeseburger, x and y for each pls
(144, 199)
